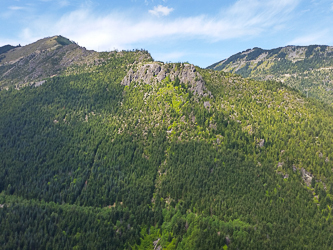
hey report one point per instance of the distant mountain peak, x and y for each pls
(301, 67)
(290, 52)
(44, 58)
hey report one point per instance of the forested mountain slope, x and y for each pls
(130, 153)
(306, 68)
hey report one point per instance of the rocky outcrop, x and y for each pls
(207, 104)
(306, 176)
(155, 243)
(261, 143)
(145, 74)
(154, 73)
(280, 164)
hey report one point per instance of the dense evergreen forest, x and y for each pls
(89, 163)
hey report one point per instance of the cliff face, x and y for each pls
(154, 73)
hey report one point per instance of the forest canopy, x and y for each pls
(89, 163)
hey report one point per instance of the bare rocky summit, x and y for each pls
(154, 73)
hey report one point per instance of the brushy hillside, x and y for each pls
(306, 68)
(129, 153)
(47, 57)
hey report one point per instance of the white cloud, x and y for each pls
(256, 13)
(11, 11)
(16, 8)
(161, 10)
(63, 3)
(246, 18)
(313, 38)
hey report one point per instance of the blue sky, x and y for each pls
(200, 32)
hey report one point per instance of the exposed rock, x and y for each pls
(213, 126)
(320, 154)
(145, 74)
(327, 159)
(207, 104)
(306, 176)
(294, 168)
(261, 143)
(280, 164)
(155, 243)
(285, 176)
(37, 84)
(248, 128)
(154, 73)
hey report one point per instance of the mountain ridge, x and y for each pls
(44, 58)
(128, 153)
(6, 48)
(291, 52)
(306, 68)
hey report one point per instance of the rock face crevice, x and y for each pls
(154, 73)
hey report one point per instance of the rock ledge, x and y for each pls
(154, 73)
